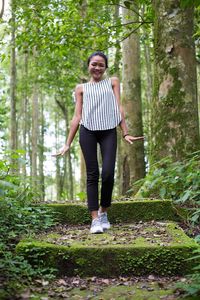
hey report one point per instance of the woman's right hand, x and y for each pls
(62, 151)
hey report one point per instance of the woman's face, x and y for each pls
(97, 67)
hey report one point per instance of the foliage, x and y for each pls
(19, 216)
(192, 288)
(178, 180)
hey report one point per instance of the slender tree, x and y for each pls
(13, 78)
(133, 156)
(35, 126)
(25, 112)
(41, 147)
(69, 166)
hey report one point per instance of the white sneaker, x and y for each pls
(104, 220)
(96, 226)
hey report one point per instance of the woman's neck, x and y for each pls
(96, 80)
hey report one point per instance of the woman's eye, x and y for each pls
(100, 65)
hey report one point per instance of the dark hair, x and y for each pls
(98, 53)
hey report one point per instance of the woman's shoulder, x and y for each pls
(115, 80)
(79, 88)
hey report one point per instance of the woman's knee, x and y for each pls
(93, 176)
(107, 176)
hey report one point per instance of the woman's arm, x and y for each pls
(116, 89)
(74, 124)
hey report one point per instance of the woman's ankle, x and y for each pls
(103, 209)
(94, 214)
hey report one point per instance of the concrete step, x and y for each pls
(160, 248)
(123, 211)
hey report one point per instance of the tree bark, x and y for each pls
(35, 125)
(148, 78)
(25, 117)
(58, 171)
(133, 157)
(13, 77)
(119, 177)
(175, 128)
(64, 110)
(83, 13)
(2, 8)
(41, 150)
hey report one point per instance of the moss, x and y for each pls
(142, 210)
(139, 235)
(135, 291)
(138, 257)
(140, 291)
(124, 211)
(70, 213)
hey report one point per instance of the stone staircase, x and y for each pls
(145, 238)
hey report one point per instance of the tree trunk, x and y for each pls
(133, 157)
(58, 172)
(175, 128)
(41, 151)
(83, 13)
(35, 123)
(148, 78)
(119, 177)
(71, 180)
(2, 8)
(24, 114)
(13, 121)
(64, 109)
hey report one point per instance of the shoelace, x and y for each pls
(96, 222)
(104, 218)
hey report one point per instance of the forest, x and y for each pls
(153, 47)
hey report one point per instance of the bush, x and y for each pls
(19, 216)
(179, 181)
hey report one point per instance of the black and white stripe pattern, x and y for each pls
(100, 108)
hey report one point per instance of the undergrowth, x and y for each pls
(179, 181)
(20, 216)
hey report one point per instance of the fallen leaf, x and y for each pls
(62, 282)
(106, 281)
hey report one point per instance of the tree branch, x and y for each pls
(62, 106)
(2, 9)
(122, 6)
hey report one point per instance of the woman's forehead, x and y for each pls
(97, 58)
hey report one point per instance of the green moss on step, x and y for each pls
(90, 256)
(136, 235)
(124, 211)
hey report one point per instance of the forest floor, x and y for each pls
(123, 288)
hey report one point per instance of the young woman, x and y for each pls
(99, 112)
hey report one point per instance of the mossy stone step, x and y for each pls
(131, 249)
(120, 212)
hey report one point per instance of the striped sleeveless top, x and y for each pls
(100, 107)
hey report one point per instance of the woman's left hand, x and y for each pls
(130, 139)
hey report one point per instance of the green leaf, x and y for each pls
(186, 196)
(162, 192)
(7, 184)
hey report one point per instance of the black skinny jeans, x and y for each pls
(107, 140)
